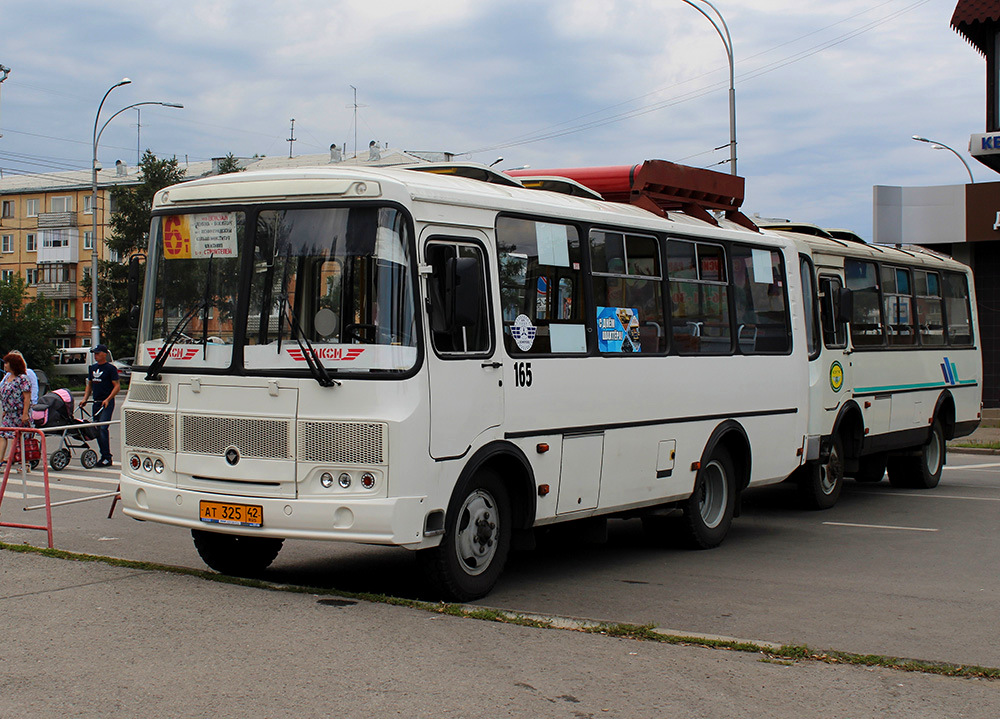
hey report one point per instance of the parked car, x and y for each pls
(74, 361)
(124, 367)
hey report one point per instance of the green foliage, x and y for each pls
(27, 326)
(229, 164)
(129, 233)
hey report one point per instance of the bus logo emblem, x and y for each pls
(836, 376)
(232, 456)
(523, 332)
(950, 372)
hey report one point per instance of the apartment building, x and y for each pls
(47, 237)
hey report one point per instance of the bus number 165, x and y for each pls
(522, 374)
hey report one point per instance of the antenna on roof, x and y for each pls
(355, 106)
(291, 139)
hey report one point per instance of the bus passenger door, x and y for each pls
(835, 365)
(463, 360)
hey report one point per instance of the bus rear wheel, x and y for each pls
(708, 512)
(476, 542)
(871, 468)
(921, 470)
(236, 555)
(821, 482)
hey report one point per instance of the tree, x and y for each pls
(28, 326)
(229, 164)
(129, 234)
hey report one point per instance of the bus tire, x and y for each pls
(821, 482)
(236, 555)
(708, 512)
(476, 542)
(871, 469)
(923, 469)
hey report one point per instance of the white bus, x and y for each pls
(443, 363)
(904, 376)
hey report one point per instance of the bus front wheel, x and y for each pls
(708, 512)
(236, 555)
(473, 551)
(821, 482)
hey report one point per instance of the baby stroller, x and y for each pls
(55, 409)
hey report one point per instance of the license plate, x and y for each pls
(242, 515)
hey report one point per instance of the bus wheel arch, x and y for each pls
(490, 501)
(723, 473)
(945, 413)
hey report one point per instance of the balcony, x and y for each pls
(58, 290)
(56, 220)
(62, 246)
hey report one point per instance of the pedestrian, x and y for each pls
(32, 377)
(103, 383)
(15, 399)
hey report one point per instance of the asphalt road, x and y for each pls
(897, 572)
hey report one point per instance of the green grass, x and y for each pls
(787, 654)
(973, 444)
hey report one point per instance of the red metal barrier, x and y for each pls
(17, 450)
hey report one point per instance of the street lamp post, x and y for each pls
(95, 328)
(727, 41)
(941, 146)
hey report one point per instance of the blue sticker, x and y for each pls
(618, 329)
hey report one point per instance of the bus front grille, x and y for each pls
(257, 438)
(342, 442)
(149, 430)
(154, 392)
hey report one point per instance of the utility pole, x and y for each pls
(355, 106)
(4, 72)
(291, 139)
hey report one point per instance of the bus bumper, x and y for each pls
(392, 521)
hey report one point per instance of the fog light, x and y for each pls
(147, 464)
(326, 479)
(158, 466)
(367, 480)
(344, 480)
(134, 462)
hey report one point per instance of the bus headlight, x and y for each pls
(344, 480)
(326, 479)
(158, 466)
(134, 462)
(147, 464)
(367, 480)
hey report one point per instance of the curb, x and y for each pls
(973, 450)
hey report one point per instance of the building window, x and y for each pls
(7, 243)
(30, 242)
(113, 256)
(88, 313)
(54, 274)
(8, 208)
(88, 204)
(55, 238)
(62, 204)
(31, 207)
(32, 275)
(64, 308)
(6, 275)
(88, 240)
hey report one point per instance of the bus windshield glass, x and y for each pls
(332, 282)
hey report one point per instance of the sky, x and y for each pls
(828, 92)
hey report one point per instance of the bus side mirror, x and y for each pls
(134, 276)
(844, 305)
(463, 291)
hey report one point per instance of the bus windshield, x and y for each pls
(332, 282)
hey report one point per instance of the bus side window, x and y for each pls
(762, 319)
(956, 308)
(930, 307)
(834, 333)
(450, 263)
(699, 297)
(899, 316)
(866, 323)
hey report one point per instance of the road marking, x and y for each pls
(879, 526)
(973, 466)
(944, 496)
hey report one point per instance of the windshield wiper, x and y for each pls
(161, 357)
(316, 368)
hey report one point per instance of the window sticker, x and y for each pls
(190, 236)
(523, 333)
(553, 244)
(568, 338)
(762, 267)
(618, 329)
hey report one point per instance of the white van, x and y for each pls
(74, 361)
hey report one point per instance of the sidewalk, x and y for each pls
(988, 433)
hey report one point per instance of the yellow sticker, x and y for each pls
(176, 237)
(836, 376)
